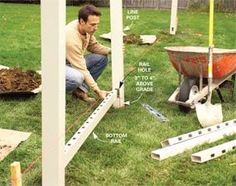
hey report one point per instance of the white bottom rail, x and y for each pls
(85, 130)
(178, 148)
(196, 133)
(214, 152)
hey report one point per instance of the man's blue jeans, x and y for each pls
(96, 63)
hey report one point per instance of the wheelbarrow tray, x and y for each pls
(15, 93)
(193, 61)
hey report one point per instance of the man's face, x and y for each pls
(91, 25)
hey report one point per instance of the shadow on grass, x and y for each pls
(19, 96)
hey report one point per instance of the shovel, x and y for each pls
(207, 113)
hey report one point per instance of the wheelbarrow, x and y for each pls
(192, 65)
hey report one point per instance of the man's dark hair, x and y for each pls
(88, 10)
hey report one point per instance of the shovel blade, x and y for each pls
(209, 114)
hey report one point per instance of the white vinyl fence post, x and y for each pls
(53, 92)
(173, 19)
(117, 49)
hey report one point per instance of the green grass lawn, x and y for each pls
(128, 163)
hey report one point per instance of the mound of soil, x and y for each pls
(132, 39)
(16, 80)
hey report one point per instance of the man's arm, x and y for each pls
(97, 48)
(75, 57)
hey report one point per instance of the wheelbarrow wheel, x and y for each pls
(184, 92)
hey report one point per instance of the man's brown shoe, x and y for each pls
(83, 96)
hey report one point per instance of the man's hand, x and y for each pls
(101, 93)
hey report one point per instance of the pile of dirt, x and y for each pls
(16, 80)
(132, 39)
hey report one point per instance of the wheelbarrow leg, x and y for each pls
(201, 78)
(230, 85)
(234, 86)
(220, 95)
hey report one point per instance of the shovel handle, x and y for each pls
(211, 45)
(211, 23)
(210, 74)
